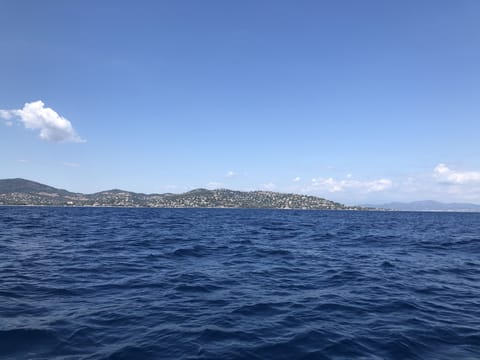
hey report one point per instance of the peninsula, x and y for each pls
(26, 192)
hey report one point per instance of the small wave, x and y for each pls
(344, 276)
(302, 345)
(349, 349)
(387, 265)
(321, 237)
(428, 289)
(404, 347)
(277, 228)
(275, 252)
(132, 352)
(221, 334)
(58, 291)
(196, 251)
(196, 288)
(260, 309)
(21, 341)
(344, 309)
(398, 306)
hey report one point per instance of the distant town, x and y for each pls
(26, 192)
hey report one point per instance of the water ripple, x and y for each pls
(85, 283)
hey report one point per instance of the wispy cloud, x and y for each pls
(339, 185)
(269, 186)
(231, 174)
(296, 179)
(446, 175)
(6, 114)
(214, 185)
(36, 116)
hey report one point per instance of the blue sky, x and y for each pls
(355, 101)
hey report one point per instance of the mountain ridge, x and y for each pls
(26, 192)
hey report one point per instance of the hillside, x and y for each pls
(26, 192)
(28, 187)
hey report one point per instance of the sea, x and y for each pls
(118, 283)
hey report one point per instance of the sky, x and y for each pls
(355, 101)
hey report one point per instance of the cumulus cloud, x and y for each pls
(444, 174)
(297, 179)
(231, 174)
(333, 185)
(51, 125)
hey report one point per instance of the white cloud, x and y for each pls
(231, 174)
(51, 125)
(214, 185)
(444, 174)
(6, 114)
(297, 179)
(333, 185)
(269, 186)
(442, 183)
(378, 185)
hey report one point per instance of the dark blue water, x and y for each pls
(83, 283)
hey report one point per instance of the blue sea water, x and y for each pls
(89, 283)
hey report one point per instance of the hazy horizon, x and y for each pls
(355, 102)
(379, 203)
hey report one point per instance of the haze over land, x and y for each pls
(354, 101)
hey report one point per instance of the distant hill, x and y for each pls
(428, 205)
(27, 186)
(26, 192)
